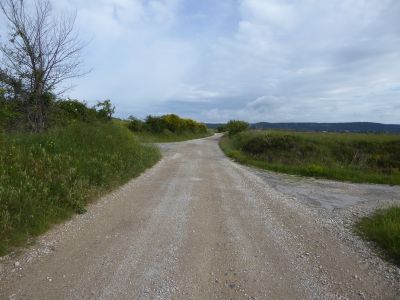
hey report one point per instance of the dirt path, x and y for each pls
(198, 226)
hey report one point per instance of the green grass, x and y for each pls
(147, 137)
(371, 158)
(383, 228)
(46, 178)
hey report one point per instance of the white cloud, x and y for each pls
(264, 60)
(333, 60)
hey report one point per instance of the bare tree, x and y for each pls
(42, 52)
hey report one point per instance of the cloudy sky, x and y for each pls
(257, 60)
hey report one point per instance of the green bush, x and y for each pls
(235, 126)
(135, 124)
(105, 110)
(46, 177)
(170, 124)
(64, 112)
(166, 128)
(10, 111)
(59, 112)
(221, 128)
(155, 124)
(256, 144)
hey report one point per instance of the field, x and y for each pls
(45, 178)
(371, 158)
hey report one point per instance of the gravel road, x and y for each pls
(199, 226)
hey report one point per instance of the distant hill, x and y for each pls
(328, 127)
(213, 125)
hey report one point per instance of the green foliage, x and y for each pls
(166, 128)
(135, 124)
(351, 157)
(221, 128)
(155, 124)
(105, 109)
(9, 111)
(167, 125)
(59, 112)
(44, 178)
(68, 111)
(235, 126)
(383, 228)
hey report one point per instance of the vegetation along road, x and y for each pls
(199, 226)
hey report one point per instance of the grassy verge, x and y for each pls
(147, 137)
(46, 178)
(383, 228)
(350, 157)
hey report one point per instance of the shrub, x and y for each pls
(256, 145)
(105, 109)
(9, 113)
(172, 123)
(155, 124)
(135, 124)
(235, 126)
(221, 128)
(67, 111)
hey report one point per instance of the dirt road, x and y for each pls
(198, 226)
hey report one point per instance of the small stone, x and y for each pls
(232, 285)
(17, 264)
(355, 276)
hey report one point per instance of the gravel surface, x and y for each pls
(199, 226)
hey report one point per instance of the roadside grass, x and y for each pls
(46, 178)
(369, 158)
(147, 137)
(383, 228)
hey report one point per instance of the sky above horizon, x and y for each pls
(256, 60)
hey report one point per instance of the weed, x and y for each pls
(45, 178)
(383, 228)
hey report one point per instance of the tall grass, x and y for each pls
(45, 178)
(351, 157)
(383, 228)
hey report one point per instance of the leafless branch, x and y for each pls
(42, 51)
